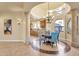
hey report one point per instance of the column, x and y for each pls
(65, 26)
(75, 40)
(63, 35)
(27, 15)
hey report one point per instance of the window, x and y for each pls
(59, 25)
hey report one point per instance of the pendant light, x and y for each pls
(48, 16)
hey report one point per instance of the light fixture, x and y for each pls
(19, 21)
(50, 16)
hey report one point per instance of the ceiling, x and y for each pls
(57, 9)
(73, 4)
(40, 11)
(17, 6)
(26, 6)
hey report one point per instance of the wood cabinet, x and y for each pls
(43, 23)
(33, 33)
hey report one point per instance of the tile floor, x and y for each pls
(23, 49)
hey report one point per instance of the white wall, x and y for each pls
(18, 31)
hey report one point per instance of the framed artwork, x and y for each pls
(69, 25)
(8, 26)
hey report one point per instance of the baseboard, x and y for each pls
(12, 41)
(68, 40)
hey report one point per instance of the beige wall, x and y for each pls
(18, 30)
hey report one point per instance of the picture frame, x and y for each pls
(8, 26)
(69, 24)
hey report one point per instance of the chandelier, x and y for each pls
(49, 17)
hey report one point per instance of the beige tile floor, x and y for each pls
(72, 52)
(23, 49)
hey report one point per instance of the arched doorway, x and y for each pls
(41, 23)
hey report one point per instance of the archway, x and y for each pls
(40, 23)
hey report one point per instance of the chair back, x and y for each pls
(54, 36)
(47, 33)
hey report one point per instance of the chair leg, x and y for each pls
(51, 44)
(56, 44)
(58, 41)
(44, 41)
(40, 43)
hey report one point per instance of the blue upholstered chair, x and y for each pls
(54, 37)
